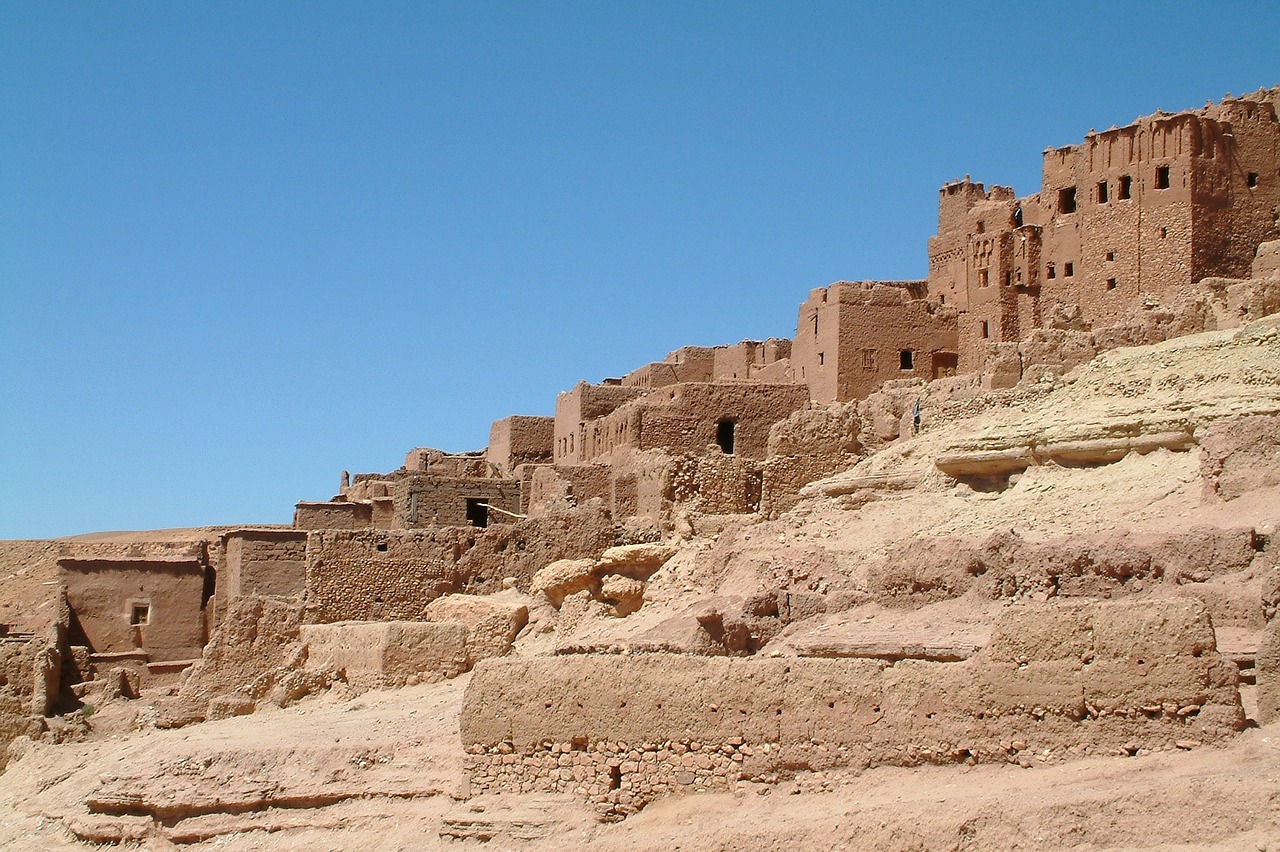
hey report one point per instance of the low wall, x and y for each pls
(377, 655)
(1055, 681)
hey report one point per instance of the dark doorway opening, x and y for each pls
(724, 435)
(477, 512)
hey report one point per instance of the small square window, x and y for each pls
(1123, 192)
(1111, 283)
(1111, 255)
(1162, 177)
(140, 614)
(1051, 272)
(1068, 270)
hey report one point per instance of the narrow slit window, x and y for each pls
(984, 328)
(822, 359)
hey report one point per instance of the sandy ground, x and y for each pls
(382, 771)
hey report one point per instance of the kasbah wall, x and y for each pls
(1136, 234)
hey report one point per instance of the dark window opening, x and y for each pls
(1111, 283)
(477, 512)
(983, 278)
(985, 328)
(1162, 177)
(1051, 272)
(815, 325)
(210, 587)
(1008, 279)
(1102, 192)
(1253, 179)
(615, 777)
(906, 359)
(724, 436)
(140, 614)
(1111, 255)
(822, 358)
(1125, 189)
(942, 298)
(382, 547)
(1068, 269)
(1164, 232)
(1017, 217)
(1067, 200)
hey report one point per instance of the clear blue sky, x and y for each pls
(246, 245)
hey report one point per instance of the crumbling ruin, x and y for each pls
(649, 589)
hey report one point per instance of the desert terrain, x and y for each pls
(890, 548)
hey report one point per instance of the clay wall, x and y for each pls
(335, 515)
(150, 603)
(1054, 681)
(518, 551)
(688, 418)
(378, 575)
(427, 460)
(576, 407)
(428, 500)
(386, 654)
(518, 440)
(745, 360)
(853, 337)
(555, 488)
(271, 563)
(686, 364)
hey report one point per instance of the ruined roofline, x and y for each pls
(275, 530)
(1211, 112)
(85, 562)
